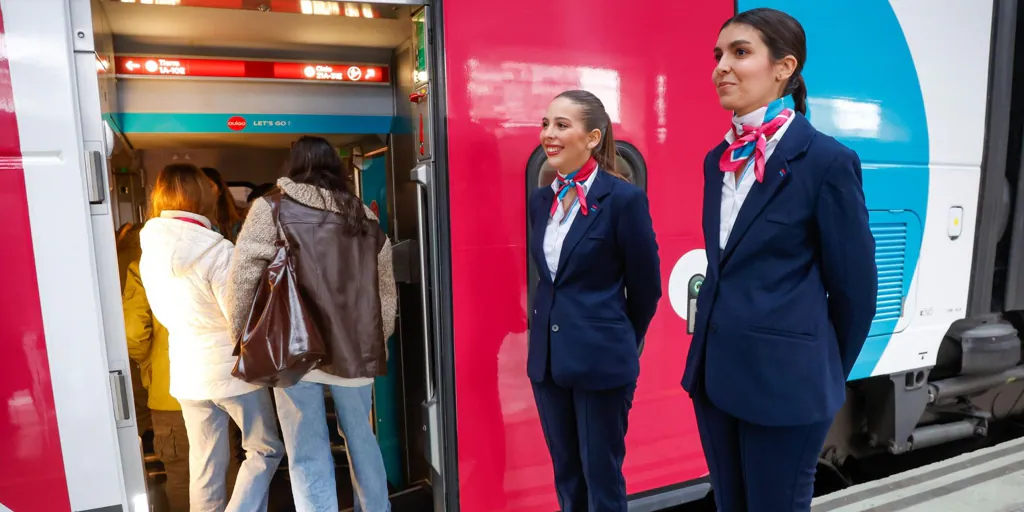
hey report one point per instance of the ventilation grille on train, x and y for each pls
(890, 256)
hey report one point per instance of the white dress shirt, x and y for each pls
(733, 193)
(554, 234)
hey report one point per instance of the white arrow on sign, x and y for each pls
(132, 66)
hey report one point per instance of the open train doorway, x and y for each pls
(229, 86)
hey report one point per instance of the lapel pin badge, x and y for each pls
(782, 172)
(593, 208)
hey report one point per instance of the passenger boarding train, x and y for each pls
(921, 89)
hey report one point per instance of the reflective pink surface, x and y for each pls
(31, 467)
(651, 63)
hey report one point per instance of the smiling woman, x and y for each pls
(586, 331)
(569, 146)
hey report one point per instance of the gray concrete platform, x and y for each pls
(988, 480)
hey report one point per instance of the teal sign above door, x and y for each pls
(140, 122)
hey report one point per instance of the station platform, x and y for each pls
(986, 480)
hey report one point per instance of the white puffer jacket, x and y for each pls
(184, 268)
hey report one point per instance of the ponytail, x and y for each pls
(605, 154)
(798, 89)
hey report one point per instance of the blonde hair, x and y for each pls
(184, 187)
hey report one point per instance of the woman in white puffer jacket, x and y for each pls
(184, 268)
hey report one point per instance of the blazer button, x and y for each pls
(554, 328)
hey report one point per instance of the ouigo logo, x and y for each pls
(236, 123)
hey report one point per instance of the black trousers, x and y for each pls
(758, 468)
(586, 436)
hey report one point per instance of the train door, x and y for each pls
(66, 378)
(420, 190)
(235, 100)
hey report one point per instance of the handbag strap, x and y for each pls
(275, 211)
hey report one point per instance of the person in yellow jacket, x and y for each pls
(128, 250)
(147, 346)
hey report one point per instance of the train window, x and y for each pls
(630, 163)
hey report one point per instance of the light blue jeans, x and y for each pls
(206, 424)
(310, 464)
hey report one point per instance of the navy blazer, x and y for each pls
(585, 316)
(784, 310)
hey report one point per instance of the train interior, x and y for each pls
(230, 86)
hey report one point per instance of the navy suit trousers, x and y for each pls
(586, 436)
(755, 468)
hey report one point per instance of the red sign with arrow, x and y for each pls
(171, 67)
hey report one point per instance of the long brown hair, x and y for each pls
(595, 117)
(227, 215)
(314, 161)
(183, 187)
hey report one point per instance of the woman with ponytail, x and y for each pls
(791, 280)
(600, 282)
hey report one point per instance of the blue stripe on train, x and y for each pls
(864, 90)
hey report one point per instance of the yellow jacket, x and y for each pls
(147, 343)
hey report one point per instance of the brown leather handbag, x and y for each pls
(279, 344)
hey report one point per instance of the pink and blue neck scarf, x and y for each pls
(575, 180)
(752, 140)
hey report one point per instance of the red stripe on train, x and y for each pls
(31, 465)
